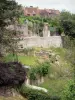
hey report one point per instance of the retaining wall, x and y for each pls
(55, 41)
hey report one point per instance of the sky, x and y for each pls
(68, 5)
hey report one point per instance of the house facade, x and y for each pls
(35, 11)
(31, 11)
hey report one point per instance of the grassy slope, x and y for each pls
(54, 86)
(27, 60)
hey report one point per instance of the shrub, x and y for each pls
(41, 69)
(70, 95)
(32, 74)
(69, 91)
(11, 73)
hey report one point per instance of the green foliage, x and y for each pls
(67, 22)
(44, 68)
(27, 60)
(69, 91)
(13, 10)
(36, 95)
(36, 23)
(71, 95)
(9, 6)
(59, 29)
(34, 19)
(9, 14)
(65, 15)
(55, 86)
(70, 55)
(41, 69)
(68, 26)
(32, 74)
(24, 59)
(10, 58)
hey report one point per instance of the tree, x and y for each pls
(9, 14)
(65, 15)
(68, 26)
(67, 22)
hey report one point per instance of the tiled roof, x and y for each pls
(37, 11)
(31, 10)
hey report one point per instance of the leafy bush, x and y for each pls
(69, 91)
(32, 74)
(31, 94)
(11, 73)
(41, 69)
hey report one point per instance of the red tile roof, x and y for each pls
(36, 11)
(31, 10)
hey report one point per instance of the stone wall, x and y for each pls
(55, 41)
(21, 28)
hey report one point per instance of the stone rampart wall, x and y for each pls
(55, 41)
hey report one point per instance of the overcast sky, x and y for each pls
(56, 4)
